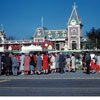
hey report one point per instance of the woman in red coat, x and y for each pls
(45, 63)
(92, 66)
(97, 67)
(27, 64)
(35, 63)
(18, 57)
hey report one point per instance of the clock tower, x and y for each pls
(74, 30)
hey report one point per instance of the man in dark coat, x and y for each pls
(3, 68)
(88, 60)
(61, 62)
(0, 63)
(7, 64)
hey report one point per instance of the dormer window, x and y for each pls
(49, 34)
(57, 34)
(38, 32)
(63, 34)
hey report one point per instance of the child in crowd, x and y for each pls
(97, 67)
(92, 65)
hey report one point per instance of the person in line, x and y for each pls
(52, 66)
(45, 63)
(57, 62)
(73, 61)
(7, 64)
(11, 55)
(18, 57)
(0, 63)
(88, 60)
(97, 67)
(61, 62)
(98, 60)
(92, 65)
(35, 57)
(68, 60)
(14, 65)
(22, 63)
(32, 63)
(83, 61)
(3, 68)
(39, 64)
(26, 64)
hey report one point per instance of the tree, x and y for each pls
(93, 40)
(31, 38)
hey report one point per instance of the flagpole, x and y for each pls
(42, 24)
(42, 21)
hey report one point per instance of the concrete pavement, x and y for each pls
(55, 84)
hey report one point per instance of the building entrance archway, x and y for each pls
(74, 45)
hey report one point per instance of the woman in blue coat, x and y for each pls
(39, 64)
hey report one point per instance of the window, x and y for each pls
(64, 34)
(57, 35)
(73, 32)
(49, 35)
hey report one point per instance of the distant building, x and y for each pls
(63, 39)
(2, 36)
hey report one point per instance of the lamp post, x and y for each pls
(38, 42)
(55, 42)
(96, 43)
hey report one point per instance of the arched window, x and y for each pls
(73, 31)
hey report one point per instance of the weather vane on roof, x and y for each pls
(75, 6)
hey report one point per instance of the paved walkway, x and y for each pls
(54, 84)
(68, 75)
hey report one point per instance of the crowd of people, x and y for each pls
(44, 63)
(91, 64)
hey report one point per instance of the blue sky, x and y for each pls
(21, 17)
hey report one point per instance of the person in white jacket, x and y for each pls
(52, 66)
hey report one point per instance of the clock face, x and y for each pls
(73, 22)
(38, 33)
